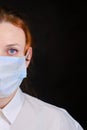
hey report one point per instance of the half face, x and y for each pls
(12, 40)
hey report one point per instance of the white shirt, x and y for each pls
(10, 112)
(25, 112)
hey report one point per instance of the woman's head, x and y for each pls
(15, 37)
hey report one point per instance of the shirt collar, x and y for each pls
(12, 109)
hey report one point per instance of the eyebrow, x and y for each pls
(10, 45)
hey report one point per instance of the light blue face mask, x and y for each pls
(12, 72)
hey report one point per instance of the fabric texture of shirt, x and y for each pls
(25, 112)
(10, 112)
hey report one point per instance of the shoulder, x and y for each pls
(53, 115)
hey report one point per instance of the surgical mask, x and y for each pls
(12, 72)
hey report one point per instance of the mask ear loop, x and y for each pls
(26, 57)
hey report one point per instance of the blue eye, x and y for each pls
(12, 51)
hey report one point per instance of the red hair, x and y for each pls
(18, 22)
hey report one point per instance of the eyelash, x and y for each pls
(12, 53)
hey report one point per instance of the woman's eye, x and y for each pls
(12, 51)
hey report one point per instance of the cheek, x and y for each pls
(21, 53)
(22, 50)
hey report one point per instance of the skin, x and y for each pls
(12, 43)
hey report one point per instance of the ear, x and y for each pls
(28, 56)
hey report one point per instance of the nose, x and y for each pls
(2, 53)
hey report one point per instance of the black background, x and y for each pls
(57, 73)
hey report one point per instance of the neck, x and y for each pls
(5, 101)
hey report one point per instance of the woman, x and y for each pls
(19, 111)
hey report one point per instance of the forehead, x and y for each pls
(11, 33)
